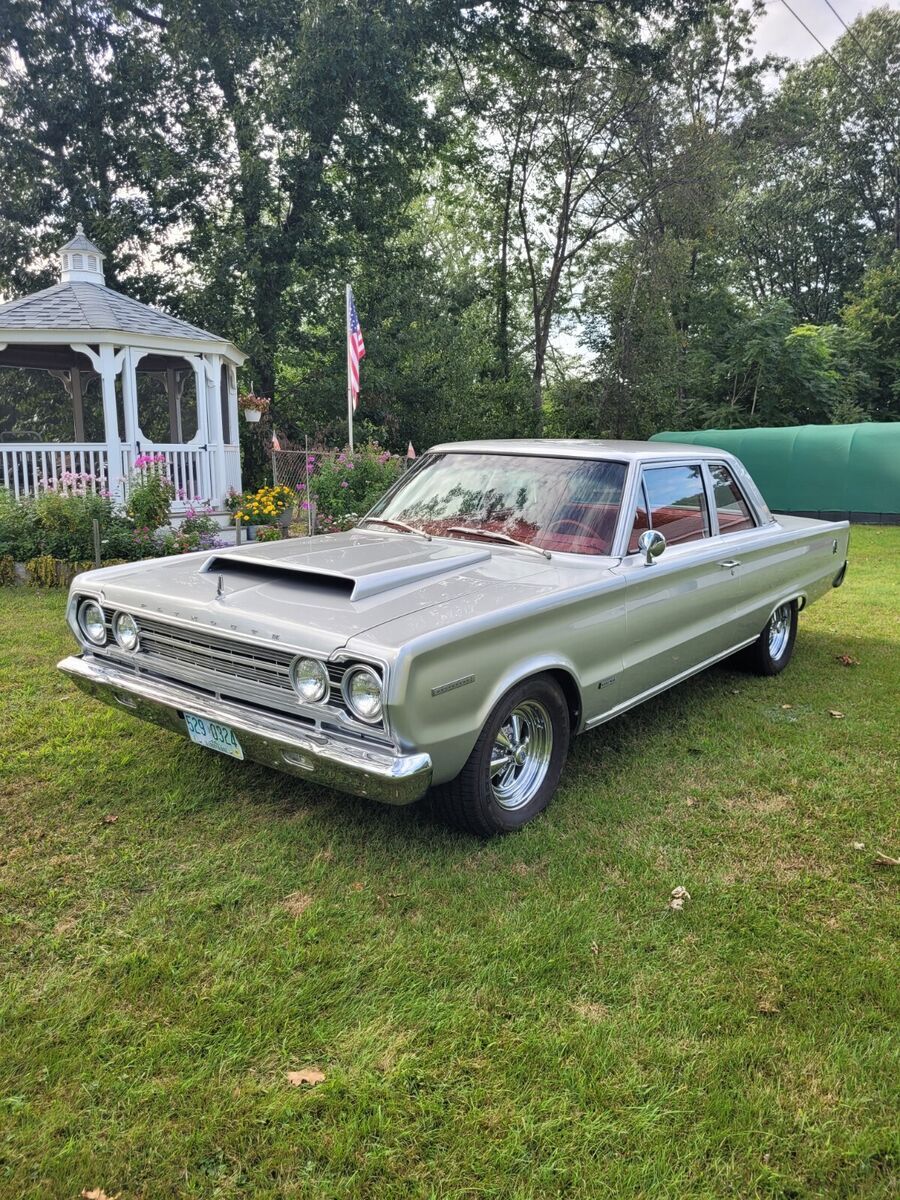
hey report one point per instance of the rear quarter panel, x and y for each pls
(797, 558)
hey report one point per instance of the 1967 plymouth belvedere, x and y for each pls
(503, 596)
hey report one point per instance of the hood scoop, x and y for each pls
(370, 579)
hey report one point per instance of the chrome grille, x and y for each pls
(207, 652)
(239, 670)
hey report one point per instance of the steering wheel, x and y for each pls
(578, 526)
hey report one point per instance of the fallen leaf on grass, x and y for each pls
(296, 904)
(858, 845)
(787, 706)
(308, 1077)
(97, 1194)
(110, 819)
(885, 860)
(678, 897)
(847, 660)
(357, 887)
(769, 1007)
(833, 712)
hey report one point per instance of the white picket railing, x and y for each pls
(188, 468)
(24, 466)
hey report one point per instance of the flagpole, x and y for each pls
(349, 380)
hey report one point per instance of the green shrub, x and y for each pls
(19, 533)
(150, 492)
(344, 483)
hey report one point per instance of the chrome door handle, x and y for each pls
(730, 563)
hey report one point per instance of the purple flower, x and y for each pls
(344, 483)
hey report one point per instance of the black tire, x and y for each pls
(470, 801)
(759, 658)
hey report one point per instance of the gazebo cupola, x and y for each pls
(90, 379)
(80, 261)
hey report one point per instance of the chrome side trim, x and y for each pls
(662, 687)
(362, 769)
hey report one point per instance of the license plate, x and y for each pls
(213, 735)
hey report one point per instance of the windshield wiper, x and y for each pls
(402, 525)
(497, 536)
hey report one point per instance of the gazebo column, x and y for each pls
(107, 364)
(213, 364)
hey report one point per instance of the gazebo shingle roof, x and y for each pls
(93, 306)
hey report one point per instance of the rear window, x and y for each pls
(731, 507)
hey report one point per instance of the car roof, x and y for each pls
(583, 448)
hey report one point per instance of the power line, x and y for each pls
(840, 66)
(870, 61)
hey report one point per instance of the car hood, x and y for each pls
(316, 593)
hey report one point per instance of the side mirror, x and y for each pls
(651, 544)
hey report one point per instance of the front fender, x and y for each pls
(442, 694)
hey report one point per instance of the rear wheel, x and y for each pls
(772, 650)
(515, 766)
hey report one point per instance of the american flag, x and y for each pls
(356, 348)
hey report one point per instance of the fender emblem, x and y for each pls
(454, 683)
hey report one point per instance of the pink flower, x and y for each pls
(344, 483)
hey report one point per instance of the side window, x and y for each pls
(677, 504)
(731, 506)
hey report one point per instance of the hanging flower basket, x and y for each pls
(253, 406)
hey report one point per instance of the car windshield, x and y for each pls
(564, 504)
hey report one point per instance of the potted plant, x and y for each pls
(253, 406)
(265, 506)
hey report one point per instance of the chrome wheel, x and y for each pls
(779, 631)
(521, 754)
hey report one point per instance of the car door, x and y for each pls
(680, 609)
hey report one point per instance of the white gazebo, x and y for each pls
(91, 379)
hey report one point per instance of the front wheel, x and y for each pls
(772, 650)
(515, 766)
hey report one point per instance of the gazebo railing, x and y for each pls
(25, 466)
(188, 469)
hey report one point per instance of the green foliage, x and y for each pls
(19, 531)
(343, 483)
(150, 494)
(873, 315)
(618, 209)
(43, 571)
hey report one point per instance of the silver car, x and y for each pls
(502, 597)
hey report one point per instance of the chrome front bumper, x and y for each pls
(349, 767)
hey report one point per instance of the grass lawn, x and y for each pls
(519, 1018)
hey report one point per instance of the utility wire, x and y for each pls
(840, 66)
(870, 60)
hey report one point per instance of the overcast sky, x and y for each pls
(780, 33)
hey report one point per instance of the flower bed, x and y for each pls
(343, 484)
(47, 539)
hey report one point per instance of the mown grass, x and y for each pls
(520, 1018)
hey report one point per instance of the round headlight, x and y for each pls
(363, 692)
(310, 680)
(92, 622)
(126, 632)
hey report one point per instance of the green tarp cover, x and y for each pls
(815, 468)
